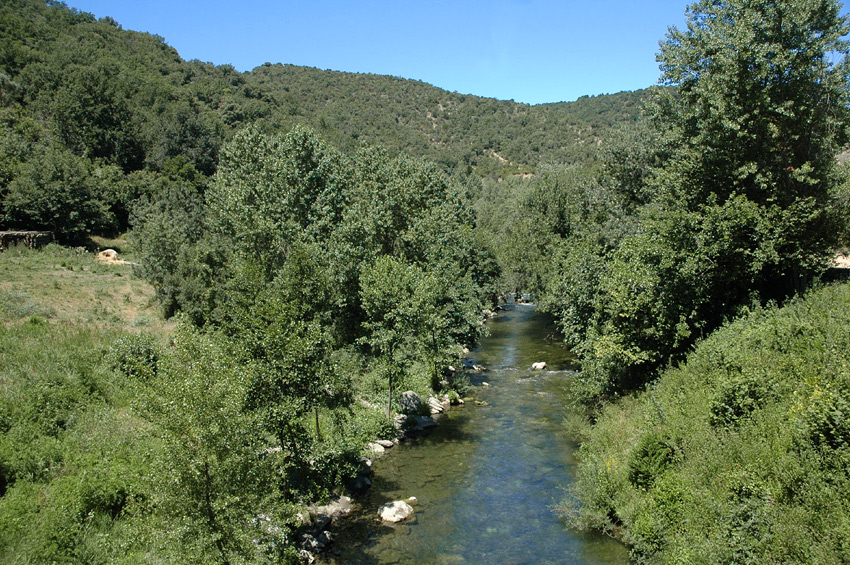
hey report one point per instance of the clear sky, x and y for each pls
(531, 51)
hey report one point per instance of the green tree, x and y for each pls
(93, 115)
(395, 301)
(168, 234)
(213, 482)
(760, 95)
(55, 190)
(285, 329)
(740, 210)
(271, 191)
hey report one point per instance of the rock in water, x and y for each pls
(395, 511)
(426, 422)
(538, 366)
(435, 405)
(333, 510)
(376, 448)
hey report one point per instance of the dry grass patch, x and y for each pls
(68, 286)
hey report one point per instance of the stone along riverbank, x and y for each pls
(486, 481)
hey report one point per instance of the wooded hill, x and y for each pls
(127, 98)
(457, 131)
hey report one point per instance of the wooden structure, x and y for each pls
(31, 239)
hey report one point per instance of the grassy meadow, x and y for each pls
(69, 286)
(74, 466)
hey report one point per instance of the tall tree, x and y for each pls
(212, 481)
(740, 209)
(396, 303)
(759, 101)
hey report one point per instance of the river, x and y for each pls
(488, 478)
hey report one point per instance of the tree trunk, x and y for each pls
(390, 397)
(318, 431)
(211, 521)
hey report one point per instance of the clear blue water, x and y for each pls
(489, 477)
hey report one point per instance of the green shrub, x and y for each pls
(737, 397)
(135, 356)
(659, 518)
(827, 420)
(747, 523)
(651, 456)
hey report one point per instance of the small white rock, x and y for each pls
(395, 511)
(538, 366)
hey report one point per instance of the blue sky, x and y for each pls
(531, 51)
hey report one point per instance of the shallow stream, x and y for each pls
(489, 477)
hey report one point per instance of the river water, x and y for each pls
(488, 478)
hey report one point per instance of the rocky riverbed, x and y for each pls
(486, 479)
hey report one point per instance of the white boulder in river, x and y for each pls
(538, 366)
(395, 511)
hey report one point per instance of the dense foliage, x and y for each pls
(209, 444)
(323, 279)
(111, 111)
(316, 264)
(738, 455)
(724, 197)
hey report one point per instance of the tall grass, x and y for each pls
(73, 457)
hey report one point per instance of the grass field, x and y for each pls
(70, 286)
(73, 456)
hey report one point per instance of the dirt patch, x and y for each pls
(841, 261)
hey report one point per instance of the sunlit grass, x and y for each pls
(70, 286)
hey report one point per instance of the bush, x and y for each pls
(55, 191)
(135, 356)
(827, 420)
(651, 456)
(737, 397)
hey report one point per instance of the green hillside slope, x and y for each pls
(742, 454)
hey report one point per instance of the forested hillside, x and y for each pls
(459, 132)
(94, 116)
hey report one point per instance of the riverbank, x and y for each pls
(488, 477)
(739, 454)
